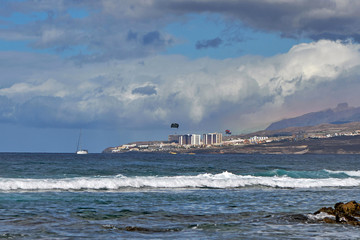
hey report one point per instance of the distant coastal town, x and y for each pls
(174, 143)
(330, 131)
(299, 141)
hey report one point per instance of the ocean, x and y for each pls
(164, 196)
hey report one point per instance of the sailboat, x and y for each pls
(78, 149)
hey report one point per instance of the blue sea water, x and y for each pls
(164, 196)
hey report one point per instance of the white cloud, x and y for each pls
(50, 35)
(305, 64)
(25, 91)
(249, 92)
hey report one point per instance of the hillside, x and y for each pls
(334, 145)
(325, 128)
(339, 115)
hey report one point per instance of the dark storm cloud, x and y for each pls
(132, 29)
(335, 19)
(147, 90)
(152, 38)
(110, 29)
(212, 43)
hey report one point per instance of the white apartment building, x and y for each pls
(212, 138)
(190, 139)
(195, 139)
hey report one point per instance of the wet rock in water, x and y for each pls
(328, 210)
(351, 208)
(344, 213)
(299, 218)
(329, 220)
(142, 229)
(137, 229)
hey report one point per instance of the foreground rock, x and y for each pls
(342, 213)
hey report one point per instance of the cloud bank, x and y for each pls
(130, 29)
(120, 77)
(246, 92)
(330, 19)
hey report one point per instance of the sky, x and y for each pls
(124, 70)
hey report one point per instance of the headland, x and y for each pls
(330, 131)
(321, 139)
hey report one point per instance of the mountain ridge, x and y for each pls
(340, 115)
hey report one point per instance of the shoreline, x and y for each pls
(336, 145)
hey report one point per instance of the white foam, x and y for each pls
(222, 180)
(320, 216)
(349, 173)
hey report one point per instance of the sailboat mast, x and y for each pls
(78, 144)
(79, 149)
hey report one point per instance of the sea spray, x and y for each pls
(308, 174)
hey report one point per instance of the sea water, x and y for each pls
(165, 196)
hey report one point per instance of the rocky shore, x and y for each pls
(342, 213)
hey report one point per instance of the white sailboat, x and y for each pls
(79, 150)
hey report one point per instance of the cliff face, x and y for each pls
(339, 115)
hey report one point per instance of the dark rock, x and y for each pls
(327, 210)
(148, 230)
(136, 229)
(299, 218)
(345, 213)
(350, 208)
(329, 220)
(349, 218)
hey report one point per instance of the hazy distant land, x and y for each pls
(334, 145)
(338, 133)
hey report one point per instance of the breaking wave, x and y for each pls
(222, 180)
(347, 173)
(310, 174)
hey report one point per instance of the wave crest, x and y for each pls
(222, 180)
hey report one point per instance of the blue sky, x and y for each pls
(123, 71)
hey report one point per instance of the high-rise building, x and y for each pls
(190, 139)
(212, 138)
(173, 138)
(195, 139)
(185, 139)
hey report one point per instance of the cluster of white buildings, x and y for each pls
(197, 139)
(209, 139)
(337, 134)
(256, 139)
(187, 140)
(212, 139)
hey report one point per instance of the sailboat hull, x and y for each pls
(82, 152)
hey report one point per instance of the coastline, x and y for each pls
(335, 145)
